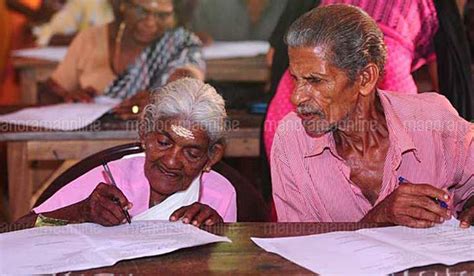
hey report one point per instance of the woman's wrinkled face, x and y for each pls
(148, 19)
(175, 155)
(324, 96)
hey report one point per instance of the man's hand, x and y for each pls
(467, 214)
(105, 206)
(411, 205)
(197, 214)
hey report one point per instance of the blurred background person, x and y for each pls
(233, 20)
(4, 43)
(74, 16)
(17, 18)
(142, 49)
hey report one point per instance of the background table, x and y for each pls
(253, 69)
(26, 145)
(242, 256)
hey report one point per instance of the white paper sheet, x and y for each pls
(66, 116)
(83, 246)
(376, 251)
(47, 53)
(237, 49)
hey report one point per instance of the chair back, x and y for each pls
(250, 203)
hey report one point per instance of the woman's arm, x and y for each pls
(104, 206)
(70, 214)
(53, 92)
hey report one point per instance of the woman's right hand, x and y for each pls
(83, 95)
(105, 206)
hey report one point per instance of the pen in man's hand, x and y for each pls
(115, 200)
(441, 203)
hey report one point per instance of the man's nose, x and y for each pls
(300, 94)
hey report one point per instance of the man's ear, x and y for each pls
(368, 78)
(215, 155)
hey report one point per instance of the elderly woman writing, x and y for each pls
(182, 132)
(140, 50)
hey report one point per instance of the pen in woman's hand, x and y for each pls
(115, 200)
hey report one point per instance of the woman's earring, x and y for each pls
(207, 169)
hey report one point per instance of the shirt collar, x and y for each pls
(319, 145)
(400, 139)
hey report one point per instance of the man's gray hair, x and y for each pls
(187, 99)
(351, 37)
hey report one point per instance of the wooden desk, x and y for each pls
(32, 71)
(242, 256)
(26, 145)
(253, 69)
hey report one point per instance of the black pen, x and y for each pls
(115, 200)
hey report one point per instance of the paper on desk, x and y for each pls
(66, 116)
(218, 49)
(235, 49)
(376, 251)
(73, 247)
(47, 53)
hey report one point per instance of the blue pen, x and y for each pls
(441, 203)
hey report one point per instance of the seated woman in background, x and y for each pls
(182, 131)
(142, 49)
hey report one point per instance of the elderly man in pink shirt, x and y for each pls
(352, 152)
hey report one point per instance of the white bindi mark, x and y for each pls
(182, 132)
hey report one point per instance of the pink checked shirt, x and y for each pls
(216, 190)
(429, 143)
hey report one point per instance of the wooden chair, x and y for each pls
(250, 204)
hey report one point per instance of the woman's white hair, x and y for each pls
(188, 99)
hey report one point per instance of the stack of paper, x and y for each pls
(67, 116)
(48, 250)
(376, 251)
(218, 49)
(235, 49)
